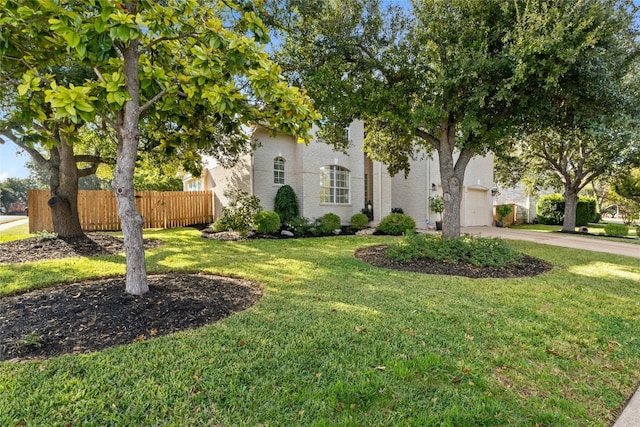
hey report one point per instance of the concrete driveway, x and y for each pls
(559, 239)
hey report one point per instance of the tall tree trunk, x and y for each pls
(63, 182)
(128, 136)
(452, 177)
(570, 208)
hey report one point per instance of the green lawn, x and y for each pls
(597, 229)
(337, 342)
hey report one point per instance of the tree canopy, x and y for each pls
(454, 77)
(190, 69)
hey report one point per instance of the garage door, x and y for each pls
(476, 208)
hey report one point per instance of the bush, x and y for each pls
(238, 215)
(638, 231)
(327, 223)
(550, 210)
(480, 252)
(266, 222)
(396, 224)
(585, 211)
(359, 221)
(286, 203)
(502, 211)
(299, 226)
(619, 230)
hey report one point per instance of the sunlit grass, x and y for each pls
(16, 232)
(335, 341)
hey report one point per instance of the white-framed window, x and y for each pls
(278, 171)
(334, 184)
(194, 185)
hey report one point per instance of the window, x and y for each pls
(334, 184)
(278, 171)
(194, 185)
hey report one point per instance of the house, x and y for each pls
(523, 201)
(327, 181)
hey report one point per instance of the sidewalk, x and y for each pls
(630, 416)
(8, 221)
(566, 240)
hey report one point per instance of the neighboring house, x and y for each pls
(525, 203)
(326, 180)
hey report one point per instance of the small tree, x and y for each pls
(192, 69)
(436, 204)
(286, 203)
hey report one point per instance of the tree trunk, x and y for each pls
(570, 208)
(452, 177)
(63, 182)
(128, 136)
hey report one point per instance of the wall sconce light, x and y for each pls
(433, 187)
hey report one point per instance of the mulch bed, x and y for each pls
(93, 315)
(37, 249)
(524, 267)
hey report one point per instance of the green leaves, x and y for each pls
(73, 103)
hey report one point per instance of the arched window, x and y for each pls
(278, 171)
(334, 184)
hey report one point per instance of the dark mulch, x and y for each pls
(93, 315)
(36, 248)
(523, 267)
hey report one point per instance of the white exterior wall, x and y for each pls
(525, 204)
(412, 193)
(316, 155)
(223, 180)
(273, 146)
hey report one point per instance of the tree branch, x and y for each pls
(427, 136)
(146, 48)
(153, 100)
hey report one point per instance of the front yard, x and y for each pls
(336, 341)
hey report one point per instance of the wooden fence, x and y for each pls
(98, 211)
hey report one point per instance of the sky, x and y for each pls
(12, 164)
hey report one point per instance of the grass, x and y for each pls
(594, 229)
(337, 342)
(14, 233)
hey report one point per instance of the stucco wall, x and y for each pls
(318, 154)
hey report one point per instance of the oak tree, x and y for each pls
(454, 77)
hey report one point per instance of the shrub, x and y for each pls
(266, 222)
(396, 224)
(619, 230)
(238, 215)
(550, 209)
(359, 221)
(299, 226)
(502, 211)
(638, 231)
(286, 203)
(327, 223)
(585, 211)
(480, 252)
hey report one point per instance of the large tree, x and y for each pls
(27, 121)
(590, 126)
(451, 76)
(175, 62)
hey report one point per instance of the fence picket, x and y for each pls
(98, 210)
